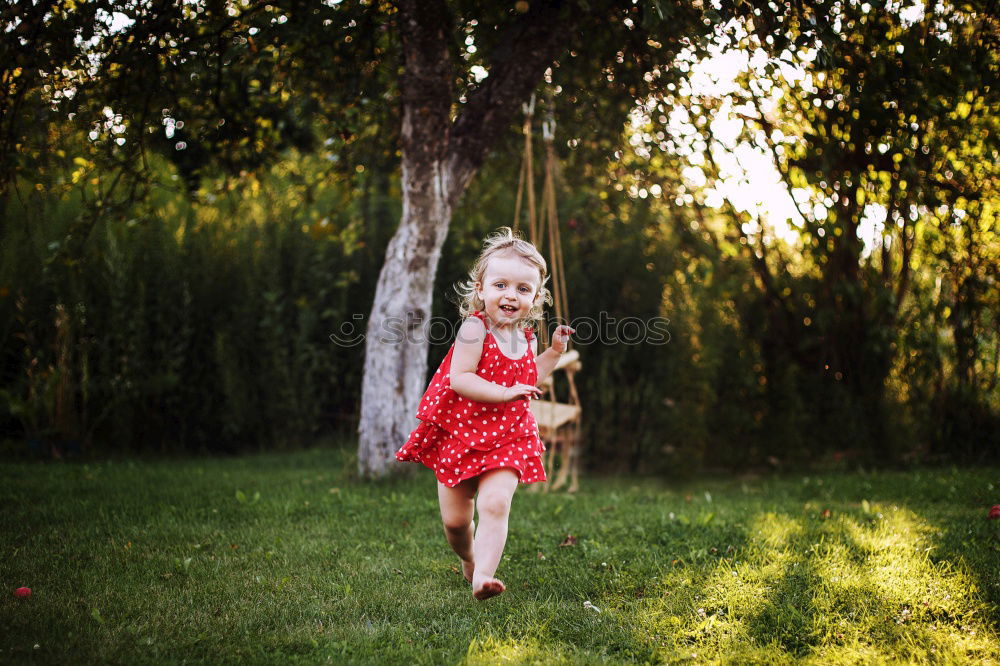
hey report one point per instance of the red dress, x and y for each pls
(461, 438)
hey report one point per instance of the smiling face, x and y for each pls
(508, 289)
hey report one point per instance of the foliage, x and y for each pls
(220, 84)
(191, 324)
(176, 251)
(868, 129)
(163, 561)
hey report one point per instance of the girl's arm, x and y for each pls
(465, 361)
(548, 359)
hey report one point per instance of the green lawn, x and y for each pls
(279, 558)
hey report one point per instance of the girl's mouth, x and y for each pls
(509, 309)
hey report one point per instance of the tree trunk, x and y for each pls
(396, 344)
(439, 158)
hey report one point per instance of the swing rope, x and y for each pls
(552, 219)
(555, 250)
(546, 229)
(526, 176)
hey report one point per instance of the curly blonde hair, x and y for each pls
(504, 242)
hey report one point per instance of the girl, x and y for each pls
(477, 432)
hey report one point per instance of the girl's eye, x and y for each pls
(524, 290)
(499, 285)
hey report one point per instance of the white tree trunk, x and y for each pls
(396, 344)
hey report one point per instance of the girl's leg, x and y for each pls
(456, 514)
(496, 489)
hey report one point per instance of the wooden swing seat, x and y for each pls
(570, 362)
(569, 358)
(551, 416)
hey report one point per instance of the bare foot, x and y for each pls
(467, 569)
(487, 587)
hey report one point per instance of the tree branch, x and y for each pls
(426, 83)
(761, 119)
(890, 213)
(906, 237)
(531, 45)
(758, 261)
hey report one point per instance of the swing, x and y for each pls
(558, 422)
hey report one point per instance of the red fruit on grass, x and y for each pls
(22, 592)
(995, 512)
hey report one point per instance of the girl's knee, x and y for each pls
(494, 504)
(456, 524)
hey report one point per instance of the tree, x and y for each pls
(887, 121)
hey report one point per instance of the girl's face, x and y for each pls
(509, 288)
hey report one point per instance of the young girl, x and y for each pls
(477, 432)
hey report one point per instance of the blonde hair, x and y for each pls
(504, 242)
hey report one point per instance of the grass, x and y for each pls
(288, 558)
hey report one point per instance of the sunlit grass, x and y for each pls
(850, 588)
(289, 558)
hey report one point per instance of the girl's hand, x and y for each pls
(560, 338)
(519, 391)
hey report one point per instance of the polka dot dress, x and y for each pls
(461, 438)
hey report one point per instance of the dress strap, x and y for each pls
(482, 317)
(528, 334)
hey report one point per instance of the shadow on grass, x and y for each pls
(857, 586)
(955, 504)
(788, 618)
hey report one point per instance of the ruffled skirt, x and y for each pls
(453, 462)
